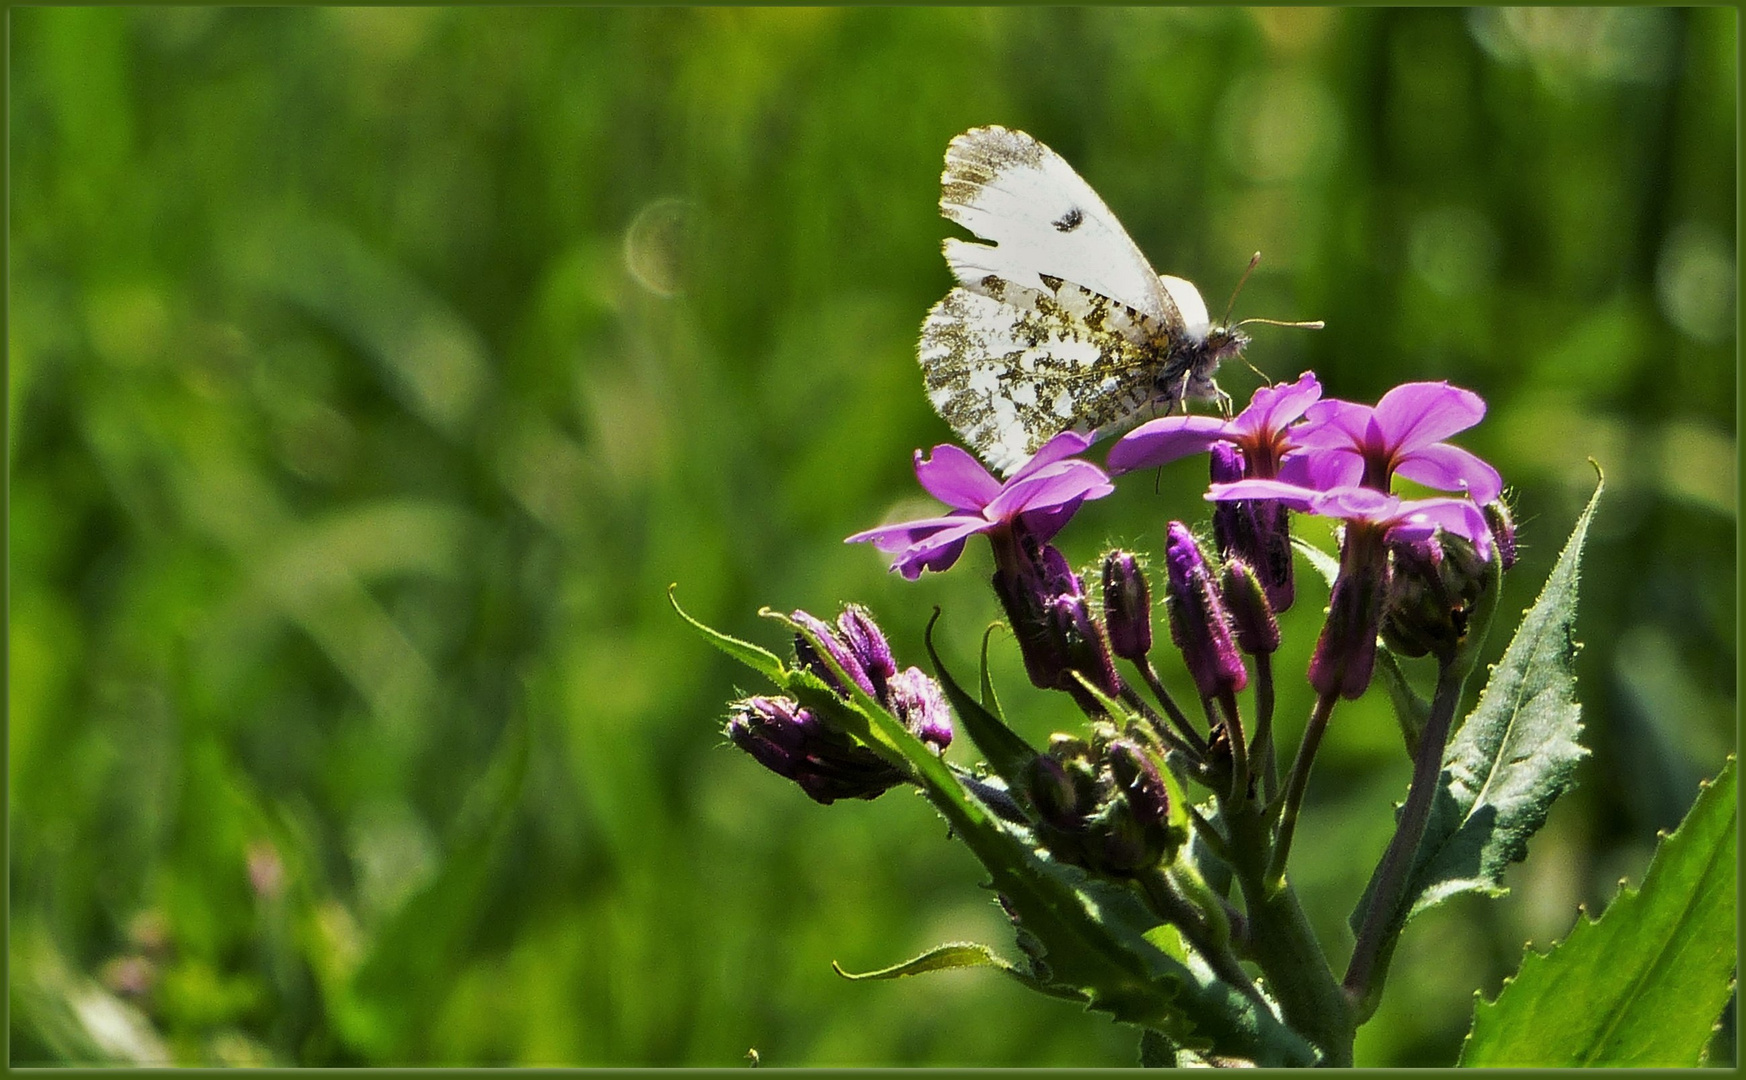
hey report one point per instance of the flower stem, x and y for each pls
(1362, 975)
(1239, 751)
(1295, 784)
(1197, 929)
(1150, 674)
(1281, 942)
(1169, 738)
(1262, 747)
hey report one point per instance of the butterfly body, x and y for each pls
(1060, 323)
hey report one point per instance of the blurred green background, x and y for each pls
(373, 373)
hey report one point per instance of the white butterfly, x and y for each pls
(1059, 322)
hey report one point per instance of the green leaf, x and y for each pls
(1007, 752)
(1411, 710)
(956, 954)
(1643, 984)
(1516, 753)
(761, 660)
(1326, 565)
(989, 700)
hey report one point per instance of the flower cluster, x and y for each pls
(828, 764)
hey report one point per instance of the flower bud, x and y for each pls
(1257, 531)
(839, 651)
(1432, 588)
(1345, 654)
(1127, 606)
(792, 742)
(1503, 530)
(1052, 793)
(1138, 779)
(1199, 625)
(867, 642)
(919, 702)
(1257, 631)
(1080, 639)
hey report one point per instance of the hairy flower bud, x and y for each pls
(868, 645)
(1433, 586)
(1127, 606)
(839, 651)
(1503, 530)
(1257, 631)
(1045, 605)
(1199, 624)
(918, 701)
(792, 742)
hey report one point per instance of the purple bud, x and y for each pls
(1081, 641)
(840, 652)
(1346, 650)
(1198, 623)
(919, 702)
(1252, 620)
(792, 742)
(1503, 530)
(867, 642)
(1258, 531)
(1433, 586)
(1045, 605)
(1127, 606)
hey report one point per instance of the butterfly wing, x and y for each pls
(1011, 367)
(1040, 218)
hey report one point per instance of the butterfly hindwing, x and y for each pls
(1010, 367)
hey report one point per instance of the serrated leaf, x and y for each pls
(758, 659)
(1516, 753)
(1643, 984)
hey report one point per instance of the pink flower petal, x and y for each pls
(896, 537)
(1293, 496)
(1052, 486)
(1414, 415)
(1450, 468)
(1273, 407)
(936, 552)
(1356, 504)
(1334, 423)
(1458, 516)
(955, 478)
(1064, 445)
(1163, 440)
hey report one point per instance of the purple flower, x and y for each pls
(859, 647)
(1400, 520)
(1402, 433)
(1038, 500)
(919, 702)
(1262, 431)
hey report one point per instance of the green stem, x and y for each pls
(1363, 976)
(1239, 748)
(1198, 930)
(1281, 942)
(1171, 709)
(1262, 747)
(1169, 738)
(1295, 785)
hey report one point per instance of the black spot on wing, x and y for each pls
(1070, 220)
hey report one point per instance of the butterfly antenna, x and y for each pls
(1254, 261)
(1316, 324)
(1258, 371)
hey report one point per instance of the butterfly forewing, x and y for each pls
(1010, 367)
(1040, 218)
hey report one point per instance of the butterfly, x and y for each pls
(1059, 322)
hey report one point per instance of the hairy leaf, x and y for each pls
(1643, 984)
(956, 954)
(1516, 753)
